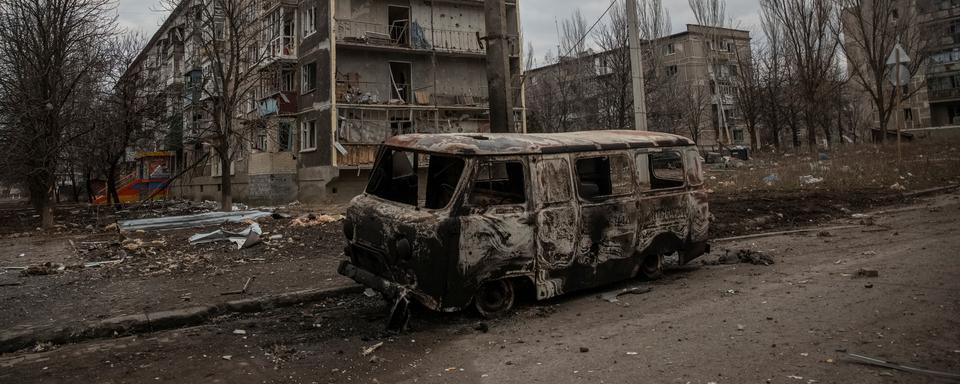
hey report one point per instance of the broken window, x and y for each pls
(604, 176)
(400, 81)
(498, 183)
(666, 170)
(309, 77)
(284, 137)
(398, 20)
(394, 177)
(286, 80)
(309, 21)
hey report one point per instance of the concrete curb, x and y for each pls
(11, 341)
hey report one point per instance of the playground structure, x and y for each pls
(148, 181)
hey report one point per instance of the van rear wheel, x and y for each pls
(495, 298)
(652, 266)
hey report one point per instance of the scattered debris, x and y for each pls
(893, 365)
(868, 273)
(771, 179)
(311, 220)
(227, 357)
(742, 256)
(96, 264)
(191, 221)
(369, 292)
(898, 187)
(584, 349)
(11, 284)
(241, 291)
(824, 234)
(47, 268)
(612, 297)
(810, 179)
(244, 239)
(371, 349)
(868, 285)
(482, 327)
(239, 332)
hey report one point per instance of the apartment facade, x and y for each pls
(336, 78)
(942, 19)
(698, 65)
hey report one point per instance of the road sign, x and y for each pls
(904, 75)
(898, 59)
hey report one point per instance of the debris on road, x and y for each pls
(861, 359)
(96, 264)
(868, 273)
(810, 179)
(371, 349)
(241, 291)
(613, 296)
(47, 268)
(311, 220)
(244, 239)
(239, 332)
(191, 221)
(742, 256)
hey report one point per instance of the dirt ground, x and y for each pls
(790, 322)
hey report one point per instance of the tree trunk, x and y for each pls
(112, 193)
(89, 187)
(226, 191)
(41, 198)
(73, 184)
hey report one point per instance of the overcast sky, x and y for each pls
(536, 16)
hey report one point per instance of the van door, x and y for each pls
(608, 215)
(496, 235)
(664, 208)
(557, 229)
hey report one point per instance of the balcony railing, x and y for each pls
(944, 94)
(412, 36)
(353, 92)
(281, 48)
(281, 103)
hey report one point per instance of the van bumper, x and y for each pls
(389, 289)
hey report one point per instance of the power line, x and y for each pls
(595, 23)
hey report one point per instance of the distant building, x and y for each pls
(340, 77)
(704, 61)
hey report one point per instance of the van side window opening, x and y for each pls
(694, 168)
(666, 170)
(395, 177)
(604, 176)
(498, 183)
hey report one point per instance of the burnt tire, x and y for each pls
(651, 268)
(495, 298)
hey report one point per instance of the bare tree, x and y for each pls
(808, 27)
(749, 92)
(870, 29)
(775, 72)
(51, 60)
(223, 40)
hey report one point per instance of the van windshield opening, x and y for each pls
(397, 177)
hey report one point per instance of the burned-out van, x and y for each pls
(453, 220)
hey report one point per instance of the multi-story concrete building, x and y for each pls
(941, 19)
(337, 78)
(700, 64)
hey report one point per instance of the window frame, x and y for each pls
(309, 21)
(631, 161)
(475, 169)
(305, 127)
(304, 73)
(650, 174)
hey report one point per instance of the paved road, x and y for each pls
(786, 323)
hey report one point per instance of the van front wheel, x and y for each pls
(494, 298)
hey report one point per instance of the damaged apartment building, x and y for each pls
(337, 78)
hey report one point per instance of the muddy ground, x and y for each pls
(790, 322)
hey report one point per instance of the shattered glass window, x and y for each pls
(666, 170)
(498, 183)
(604, 176)
(394, 177)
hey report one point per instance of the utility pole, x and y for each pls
(636, 68)
(498, 67)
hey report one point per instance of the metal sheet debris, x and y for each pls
(244, 239)
(613, 296)
(191, 221)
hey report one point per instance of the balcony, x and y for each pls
(281, 48)
(281, 103)
(411, 36)
(370, 93)
(943, 94)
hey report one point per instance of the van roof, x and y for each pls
(485, 144)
